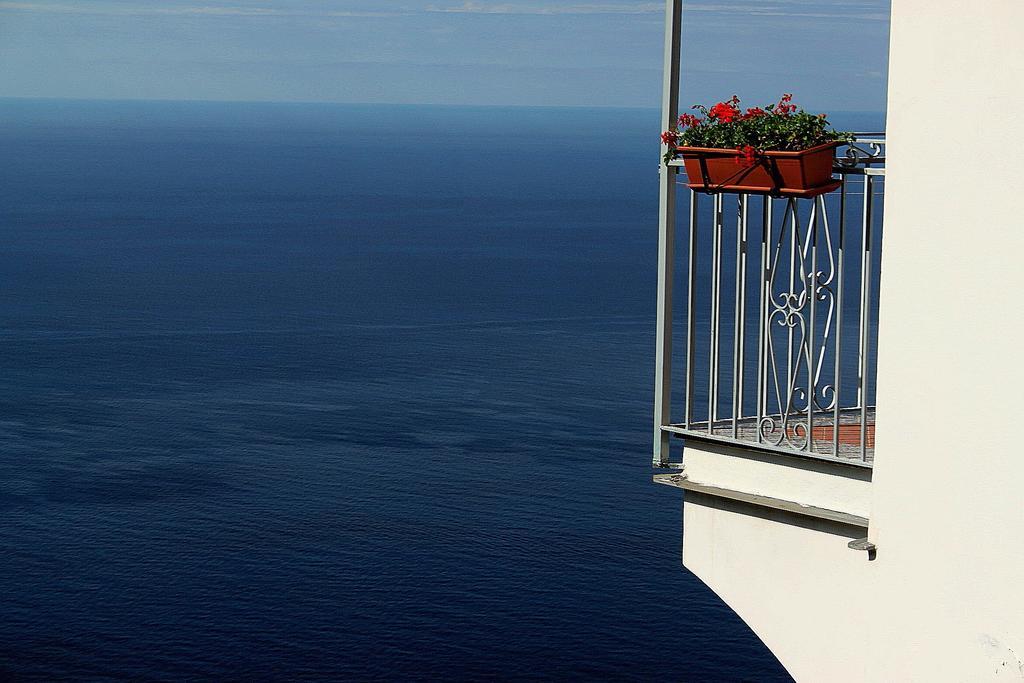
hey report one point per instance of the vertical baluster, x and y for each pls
(716, 286)
(691, 300)
(762, 361)
(812, 331)
(740, 313)
(790, 380)
(865, 318)
(837, 377)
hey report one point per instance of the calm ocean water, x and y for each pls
(337, 392)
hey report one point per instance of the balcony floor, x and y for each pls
(823, 433)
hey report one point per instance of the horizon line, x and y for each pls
(54, 98)
(157, 100)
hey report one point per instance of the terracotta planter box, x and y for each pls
(806, 173)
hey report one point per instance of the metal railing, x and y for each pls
(781, 316)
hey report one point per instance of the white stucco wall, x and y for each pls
(948, 492)
(792, 579)
(944, 599)
(841, 488)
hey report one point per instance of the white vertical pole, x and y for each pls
(666, 238)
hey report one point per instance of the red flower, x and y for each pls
(747, 156)
(754, 112)
(688, 121)
(784, 107)
(670, 137)
(724, 112)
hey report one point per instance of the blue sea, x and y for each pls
(337, 392)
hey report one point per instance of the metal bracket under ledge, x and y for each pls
(865, 545)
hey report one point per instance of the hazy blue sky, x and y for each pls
(537, 52)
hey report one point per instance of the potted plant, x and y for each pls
(779, 149)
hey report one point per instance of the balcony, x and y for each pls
(777, 319)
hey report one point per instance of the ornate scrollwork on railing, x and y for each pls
(866, 150)
(795, 363)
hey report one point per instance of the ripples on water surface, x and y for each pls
(279, 401)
